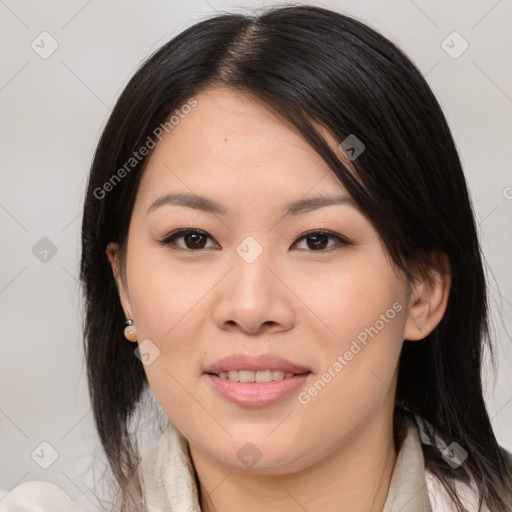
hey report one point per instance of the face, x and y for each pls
(254, 285)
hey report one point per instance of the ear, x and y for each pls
(113, 257)
(428, 299)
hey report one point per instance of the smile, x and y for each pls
(255, 376)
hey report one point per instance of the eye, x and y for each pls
(196, 240)
(317, 240)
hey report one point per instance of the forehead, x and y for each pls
(232, 145)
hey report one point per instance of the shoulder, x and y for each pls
(441, 501)
(468, 493)
(36, 496)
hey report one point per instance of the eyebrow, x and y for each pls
(208, 205)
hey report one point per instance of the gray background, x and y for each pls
(52, 113)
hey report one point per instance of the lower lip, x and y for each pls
(256, 394)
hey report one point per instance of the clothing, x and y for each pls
(168, 482)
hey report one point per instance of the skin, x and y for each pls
(301, 303)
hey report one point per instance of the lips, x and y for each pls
(256, 381)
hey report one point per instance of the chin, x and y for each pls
(258, 459)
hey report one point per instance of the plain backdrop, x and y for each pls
(52, 112)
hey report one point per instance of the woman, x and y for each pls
(277, 219)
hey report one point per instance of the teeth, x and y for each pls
(263, 376)
(245, 376)
(277, 375)
(255, 376)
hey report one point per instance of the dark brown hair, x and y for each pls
(313, 67)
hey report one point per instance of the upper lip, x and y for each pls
(255, 363)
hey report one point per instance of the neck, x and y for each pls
(355, 477)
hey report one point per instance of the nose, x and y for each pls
(254, 298)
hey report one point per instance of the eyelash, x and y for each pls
(168, 241)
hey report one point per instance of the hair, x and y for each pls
(314, 68)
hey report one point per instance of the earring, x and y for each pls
(130, 331)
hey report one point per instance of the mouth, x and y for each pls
(251, 381)
(254, 394)
(257, 376)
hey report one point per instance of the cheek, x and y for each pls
(363, 312)
(360, 297)
(164, 294)
(167, 309)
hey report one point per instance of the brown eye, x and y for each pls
(193, 239)
(317, 241)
